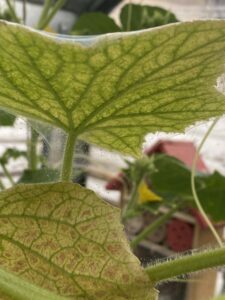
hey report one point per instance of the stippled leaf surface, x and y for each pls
(63, 238)
(116, 88)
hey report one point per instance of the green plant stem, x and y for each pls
(131, 202)
(47, 19)
(2, 187)
(7, 174)
(129, 16)
(44, 13)
(152, 227)
(12, 11)
(186, 264)
(67, 166)
(33, 159)
(193, 187)
(24, 11)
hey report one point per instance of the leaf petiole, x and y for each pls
(152, 227)
(44, 13)
(67, 166)
(186, 264)
(32, 146)
(2, 187)
(12, 11)
(49, 14)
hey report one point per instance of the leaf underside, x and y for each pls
(65, 239)
(120, 87)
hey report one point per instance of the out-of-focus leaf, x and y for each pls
(212, 196)
(94, 23)
(39, 176)
(6, 119)
(171, 178)
(136, 17)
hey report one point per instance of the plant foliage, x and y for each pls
(119, 88)
(63, 238)
(110, 91)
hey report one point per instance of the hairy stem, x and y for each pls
(152, 227)
(58, 5)
(193, 187)
(33, 158)
(12, 11)
(186, 264)
(7, 174)
(67, 166)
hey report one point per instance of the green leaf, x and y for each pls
(94, 23)
(14, 288)
(136, 17)
(39, 176)
(6, 119)
(171, 178)
(212, 196)
(65, 239)
(120, 87)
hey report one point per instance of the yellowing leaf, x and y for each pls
(115, 89)
(146, 194)
(63, 238)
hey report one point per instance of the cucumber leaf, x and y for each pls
(212, 196)
(170, 178)
(115, 89)
(63, 238)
